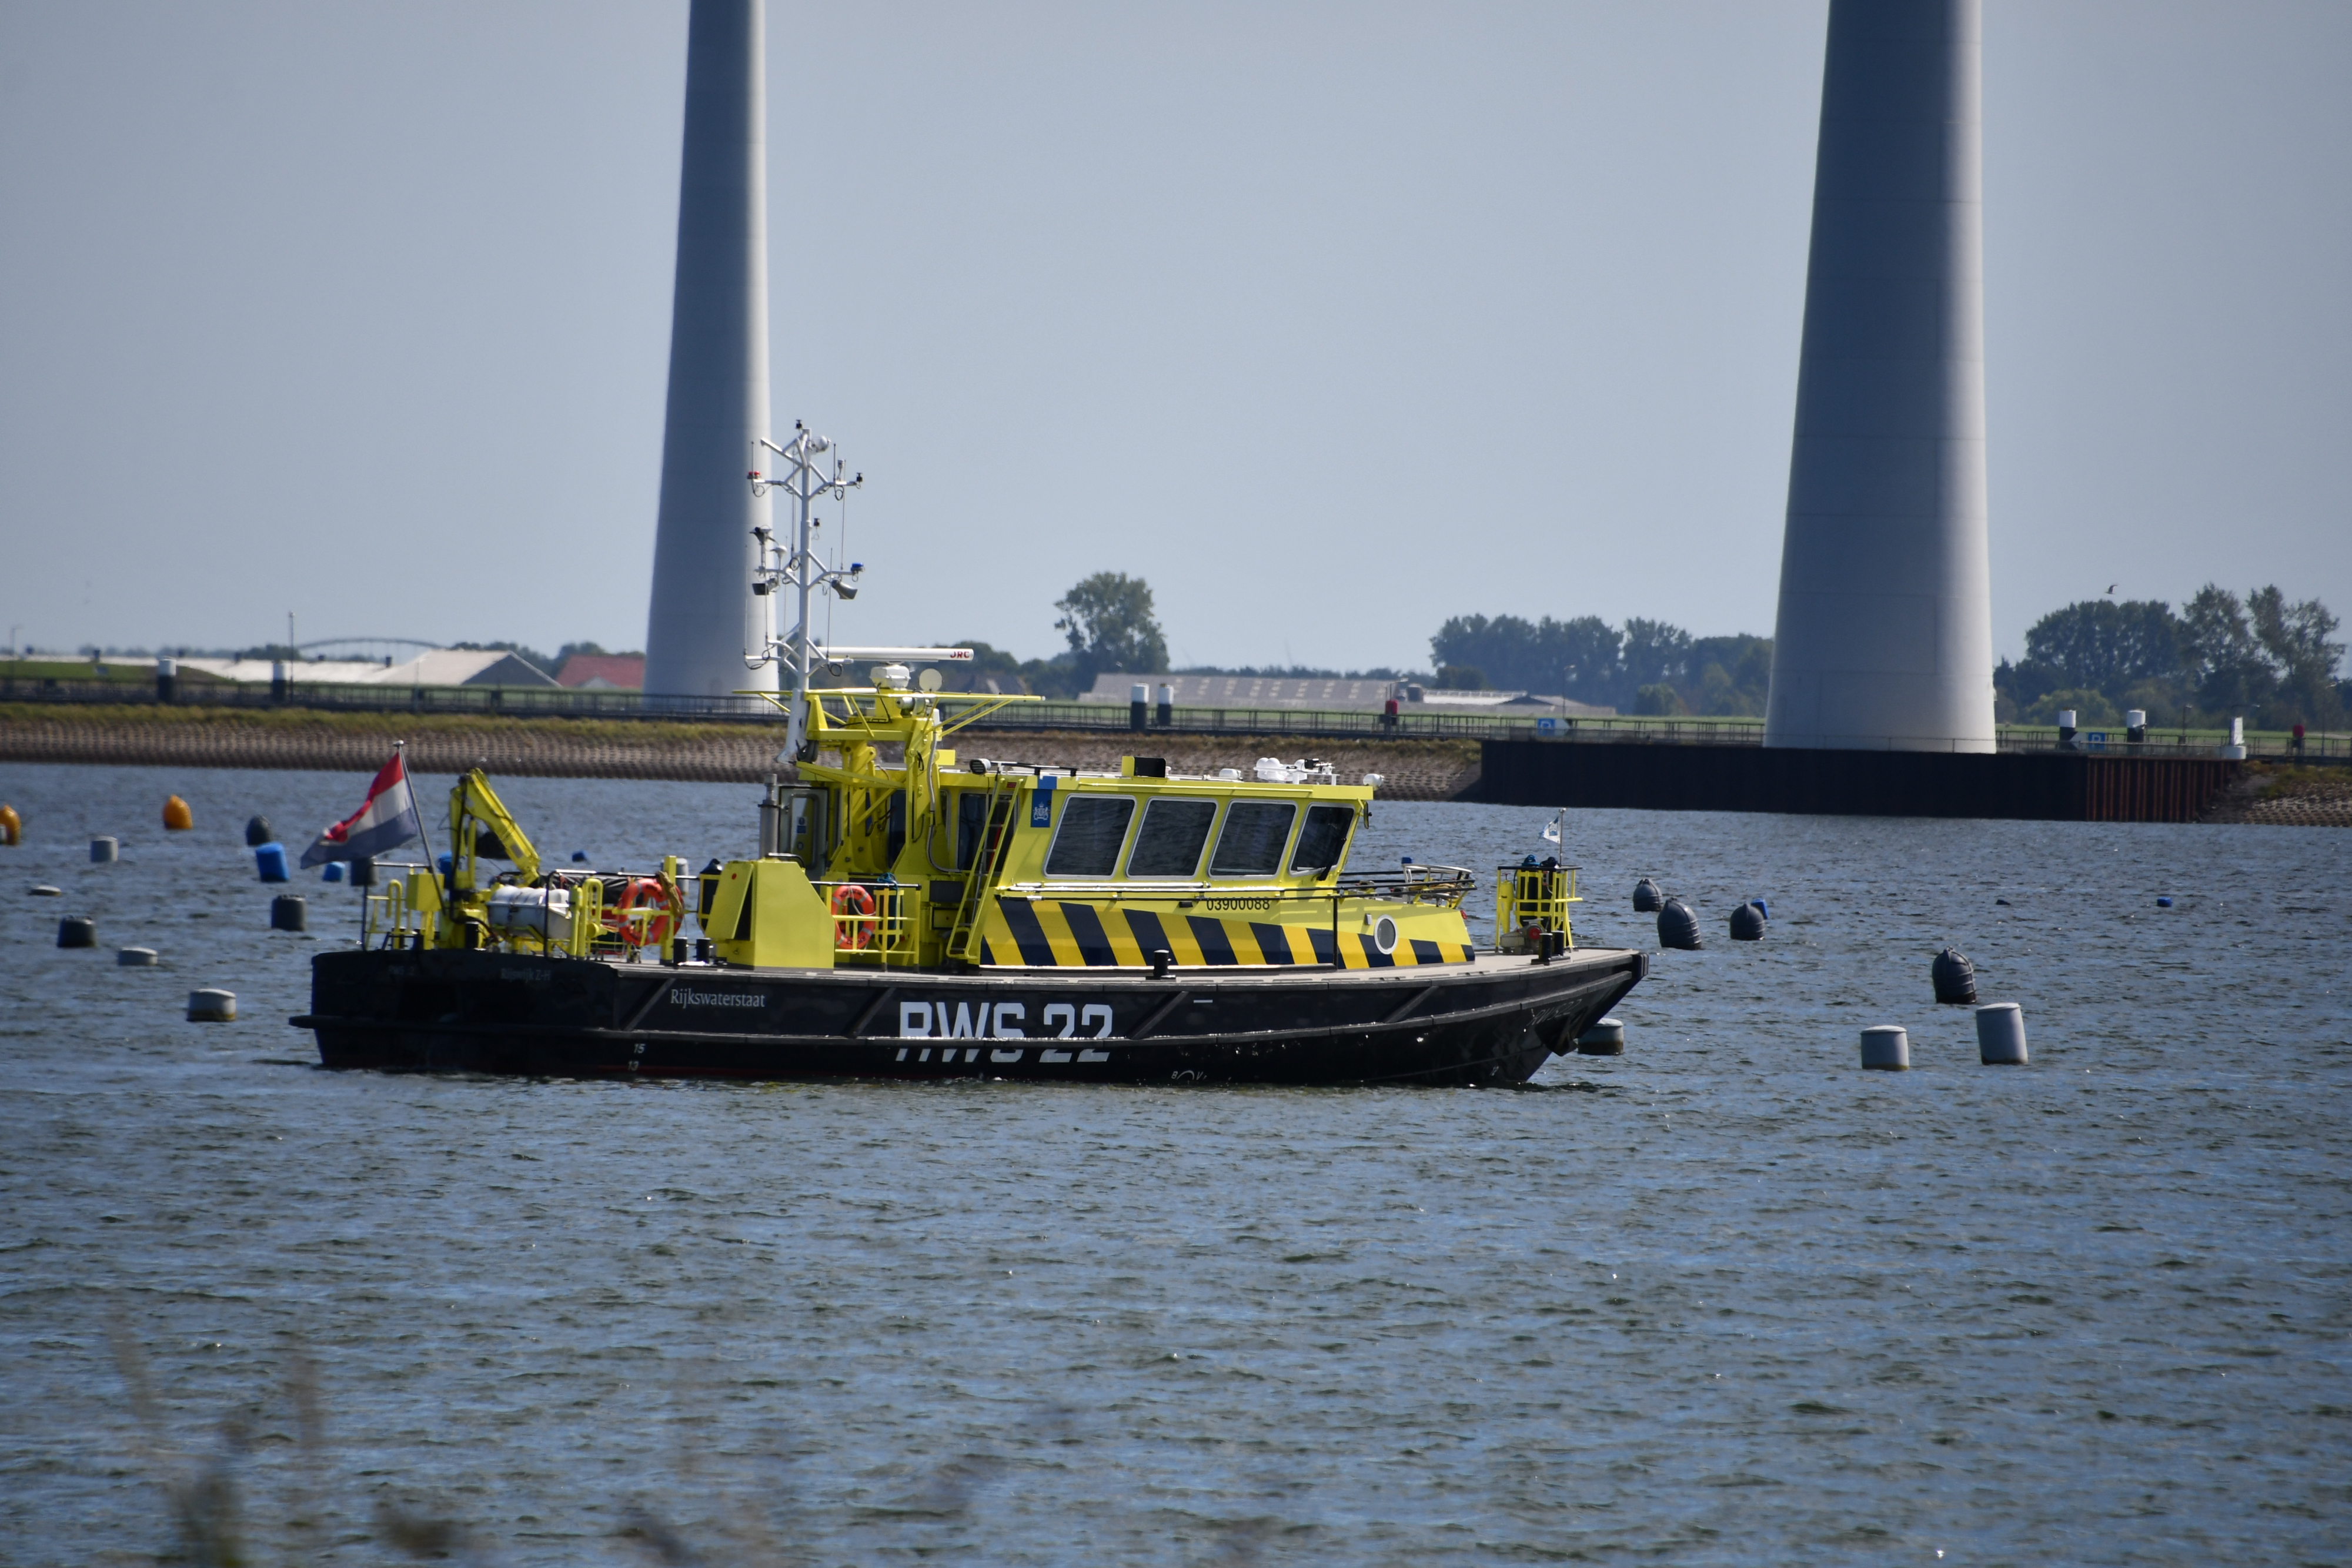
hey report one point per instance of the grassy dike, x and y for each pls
(197, 737)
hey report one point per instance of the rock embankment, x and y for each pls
(2287, 798)
(573, 748)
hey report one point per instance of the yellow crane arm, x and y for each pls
(480, 827)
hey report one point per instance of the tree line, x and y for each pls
(1644, 666)
(1109, 622)
(2264, 657)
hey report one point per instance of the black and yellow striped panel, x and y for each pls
(1061, 934)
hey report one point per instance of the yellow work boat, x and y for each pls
(912, 910)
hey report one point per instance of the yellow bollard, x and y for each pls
(12, 826)
(177, 817)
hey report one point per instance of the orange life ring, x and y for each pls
(642, 890)
(854, 925)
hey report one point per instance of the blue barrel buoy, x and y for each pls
(2164, 903)
(270, 860)
(331, 871)
(579, 857)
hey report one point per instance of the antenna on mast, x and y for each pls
(796, 564)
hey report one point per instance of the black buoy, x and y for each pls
(257, 832)
(1954, 977)
(1747, 922)
(1646, 896)
(76, 931)
(1677, 927)
(288, 911)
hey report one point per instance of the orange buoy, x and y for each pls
(854, 924)
(642, 892)
(12, 826)
(177, 817)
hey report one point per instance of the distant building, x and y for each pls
(436, 667)
(1333, 695)
(603, 673)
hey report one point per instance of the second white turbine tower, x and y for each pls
(1884, 636)
(703, 617)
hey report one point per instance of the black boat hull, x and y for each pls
(1496, 1020)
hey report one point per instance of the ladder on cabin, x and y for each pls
(996, 837)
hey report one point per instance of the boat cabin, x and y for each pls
(885, 847)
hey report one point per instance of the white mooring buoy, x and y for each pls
(212, 1007)
(1886, 1047)
(1606, 1036)
(104, 850)
(135, 957)
(2000, 1035)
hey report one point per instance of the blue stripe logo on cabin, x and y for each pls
(1041, 804)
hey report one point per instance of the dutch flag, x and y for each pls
(388, 821)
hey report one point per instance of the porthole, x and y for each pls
(1384, 933)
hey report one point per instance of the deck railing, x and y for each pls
(874, 927)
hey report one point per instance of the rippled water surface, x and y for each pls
(1726, 1299)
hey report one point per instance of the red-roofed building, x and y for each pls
(603, 672)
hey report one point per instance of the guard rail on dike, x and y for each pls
(557, 702)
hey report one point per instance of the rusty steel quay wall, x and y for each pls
(2046, 787)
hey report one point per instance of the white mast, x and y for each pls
(803, 480)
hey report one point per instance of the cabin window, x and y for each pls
(1251, 844)
(1093, 829)
(1323, 840)
(1171, 838)
(971, 822)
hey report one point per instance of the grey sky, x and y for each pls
(1330, 321)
